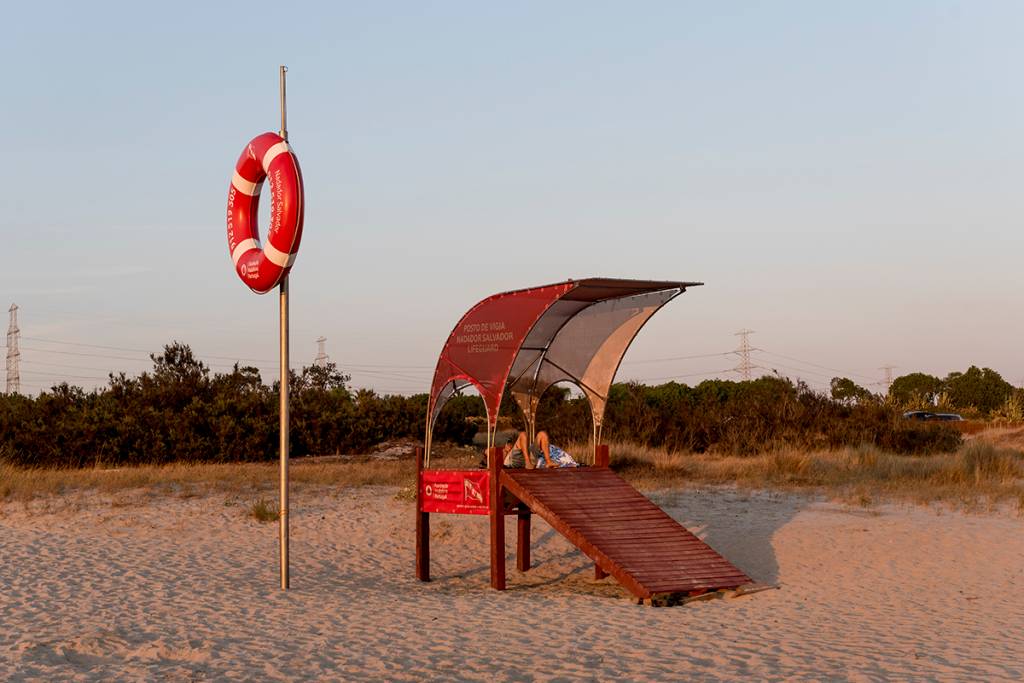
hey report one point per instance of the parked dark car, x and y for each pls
(925, 416)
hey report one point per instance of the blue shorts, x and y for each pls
(560, 458)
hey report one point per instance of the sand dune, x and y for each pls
(159, 588)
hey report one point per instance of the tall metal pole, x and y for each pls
(283, 517)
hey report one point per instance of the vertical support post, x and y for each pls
(422, 525)
(601, 459)
(283, 507)
(523, 538)
(596, 443)
(497, 521)
(284, 109)
(283, 299)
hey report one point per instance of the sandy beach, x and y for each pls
(163, 588)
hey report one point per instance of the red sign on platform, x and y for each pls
(465, 492)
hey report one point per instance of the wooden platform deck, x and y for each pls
(625, 534)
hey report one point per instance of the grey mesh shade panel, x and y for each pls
(580, 337)
(585, 351)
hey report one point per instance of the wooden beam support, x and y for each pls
(601, 459)
(422, 525)
(523, 538)
(497, 521)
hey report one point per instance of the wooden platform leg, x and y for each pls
(601, 459)
(423, 546)
(523, 539)
(422, 525)
(497, 522)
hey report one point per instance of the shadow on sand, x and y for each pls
(739, 525)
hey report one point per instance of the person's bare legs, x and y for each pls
(544, 444)
(523, 444)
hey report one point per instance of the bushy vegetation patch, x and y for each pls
(181, 412)
(746, 418)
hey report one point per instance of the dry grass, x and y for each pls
(979, 473)
(1004, 435)
(186, 480)
(262, 510)
(984, 471)
(968, 427)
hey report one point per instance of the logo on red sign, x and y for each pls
(464, 492)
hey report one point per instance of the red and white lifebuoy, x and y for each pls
(267, 157)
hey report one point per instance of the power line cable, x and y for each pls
(363, 365)
(62, 375)
(64, 342)
(674, 358)
(131, 350)
(267, 367)
(776, 366)
(83, 354)
(64, 365)
(387, 366)
(113, 369)
(823, 367)
(791, 375)
(92, 346)
(691, 374)
(383, 373)
(391, 371)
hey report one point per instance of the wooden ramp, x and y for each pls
(625, 534)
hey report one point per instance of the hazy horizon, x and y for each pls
(844, 179)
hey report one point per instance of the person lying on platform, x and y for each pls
(542, 453)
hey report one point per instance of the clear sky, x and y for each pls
(845, 177)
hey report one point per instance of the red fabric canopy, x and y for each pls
(482, 347)
(574, 331)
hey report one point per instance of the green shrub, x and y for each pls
(746, 418)
(180, 411)
(262, 510)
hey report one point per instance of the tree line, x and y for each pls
(181, 411)
(979, 393)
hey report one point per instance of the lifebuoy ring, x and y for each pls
(267, 156)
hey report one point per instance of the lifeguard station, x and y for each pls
(530, 339)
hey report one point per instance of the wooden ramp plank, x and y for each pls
(626, 534)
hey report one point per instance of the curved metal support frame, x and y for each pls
(529, 406)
